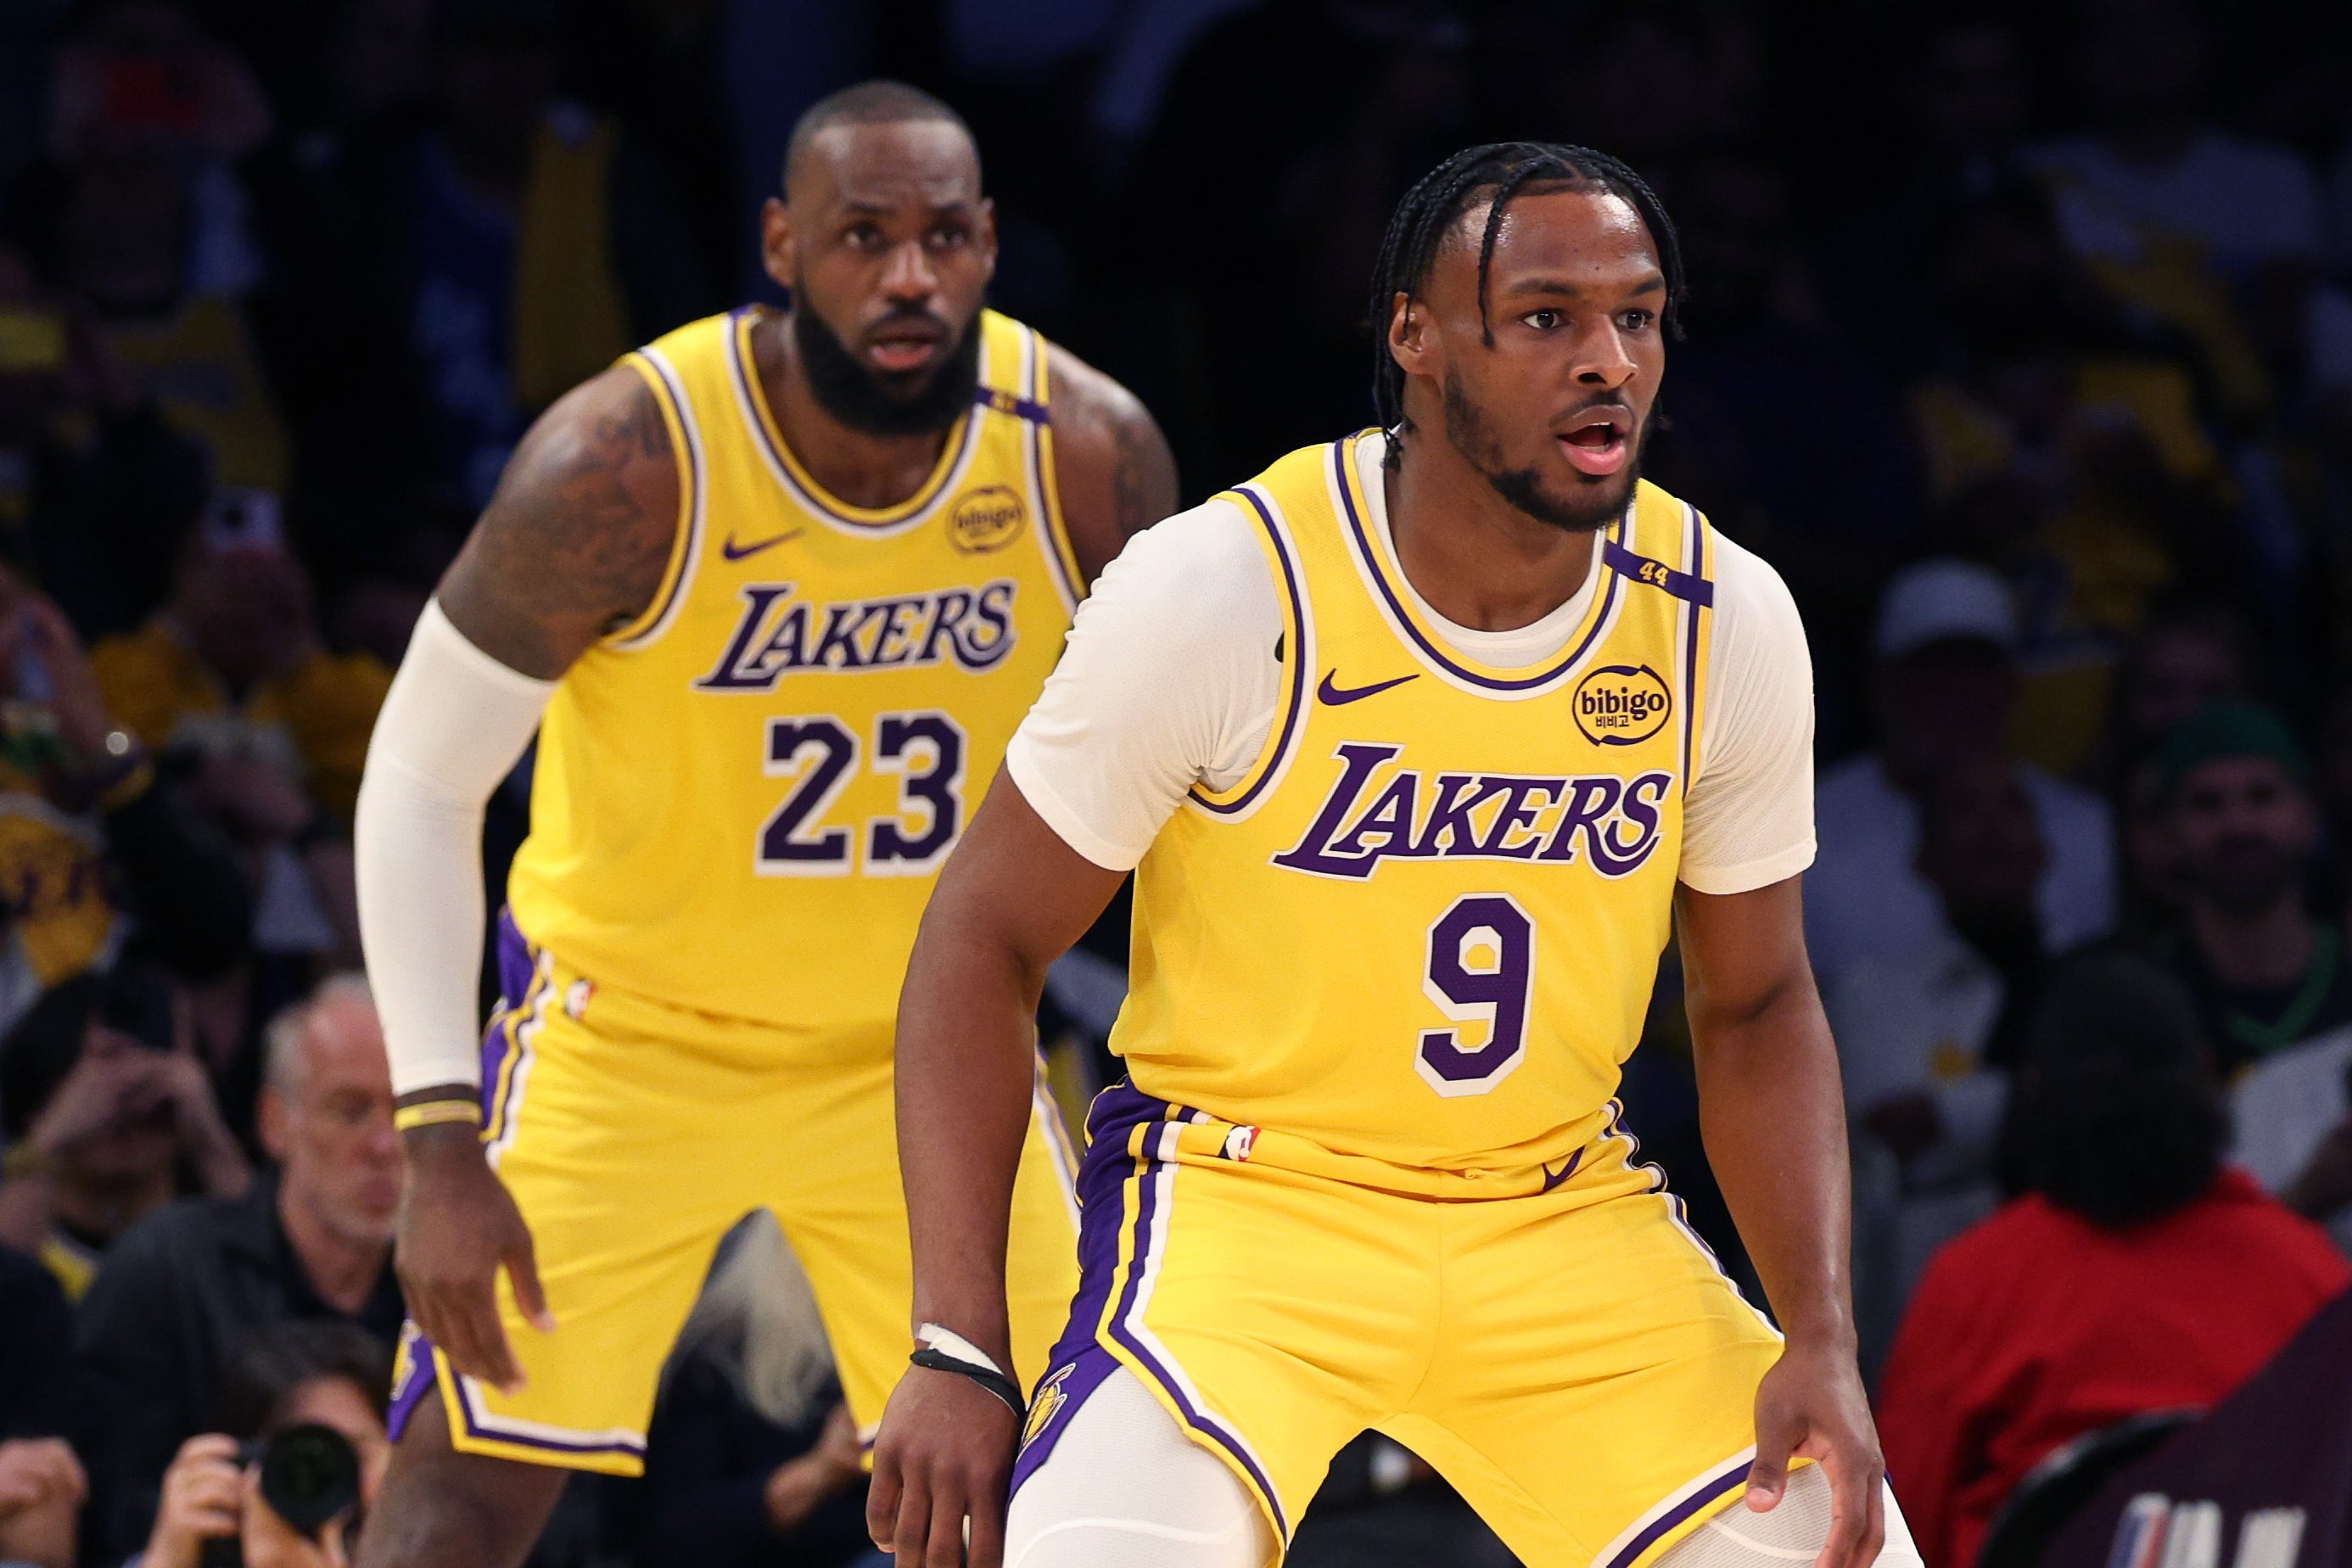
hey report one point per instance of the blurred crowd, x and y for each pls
(2020, 340)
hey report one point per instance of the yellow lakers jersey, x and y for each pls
(742, 798)
(1424, 928)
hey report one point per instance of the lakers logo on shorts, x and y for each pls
(1623, 704)
(987, 519)
(1045, 1405)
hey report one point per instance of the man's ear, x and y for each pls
(778, 246)
(988, 233)
(269, 1117)
(1408, 334)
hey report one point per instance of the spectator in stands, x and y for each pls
(1942, 691)
(184, 1290)
(543, 246)
(1927, 1041)
(234, 670)
(41, 1482)
(324, 1373)
(2186, 656)
(109, 1114)
(94, 484)
(2136, 1274)
(234, 686)
(126, 224)
(97, 855)
(2266, 974)
(2155, 164)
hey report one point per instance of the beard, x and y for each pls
(1589, 508)
(921, 403)
(2246, 875)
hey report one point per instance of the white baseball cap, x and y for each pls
(1935, 600)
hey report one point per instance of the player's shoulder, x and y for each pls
(1200, 554)
(1082, 396)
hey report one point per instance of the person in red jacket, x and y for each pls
(2136, 1273)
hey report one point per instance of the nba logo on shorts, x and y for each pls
(1620, 705)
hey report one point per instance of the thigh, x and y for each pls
(1595, 1397)
(1120, 1485)
(605, 1134)
(835, 1187)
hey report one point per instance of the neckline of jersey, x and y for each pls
(1375, 550)
(803, 485)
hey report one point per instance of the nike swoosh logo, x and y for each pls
(1332, 695)
(734, 551)
(1551, 1181)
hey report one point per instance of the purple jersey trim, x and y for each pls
(1341, 457)
(1294, 606)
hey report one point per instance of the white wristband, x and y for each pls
(947, 1342)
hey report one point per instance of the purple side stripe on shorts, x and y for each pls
(1103, 1217)
(412, 1381)
(1709, 1492)
(1059, 1394)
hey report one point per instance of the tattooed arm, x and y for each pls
(1111, 465)
(576, 539)
(573, 545)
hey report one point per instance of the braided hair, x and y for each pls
(1429, 210)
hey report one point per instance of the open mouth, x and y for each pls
(900, 350)
(1599, 442)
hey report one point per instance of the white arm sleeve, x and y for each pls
(1169, 679)
(1748, 821)
(451, 727)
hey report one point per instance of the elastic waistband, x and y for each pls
(1145, 1128)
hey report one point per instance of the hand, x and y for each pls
(1906, 1123)
(41, 1493)
(459, 1225)
(35, 626)
(944, 1453)
(794, 1488)
(189, 1088)
(36, 1470)
(104, 1082)
(270, 1543)
(1811, 1404)
(204, 1499)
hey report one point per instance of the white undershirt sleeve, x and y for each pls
(452, 727)
(1169, 679)
(1749, 820)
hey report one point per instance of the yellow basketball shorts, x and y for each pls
(1571, 1358)
(632, 1135)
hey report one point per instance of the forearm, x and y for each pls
(1773, 1119)
(452, 727)
(965, 1074)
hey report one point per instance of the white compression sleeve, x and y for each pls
(451, 727)
(1124, 1488)
(1790, 1536)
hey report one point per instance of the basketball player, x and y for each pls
(774, 592)
(1420, 744)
